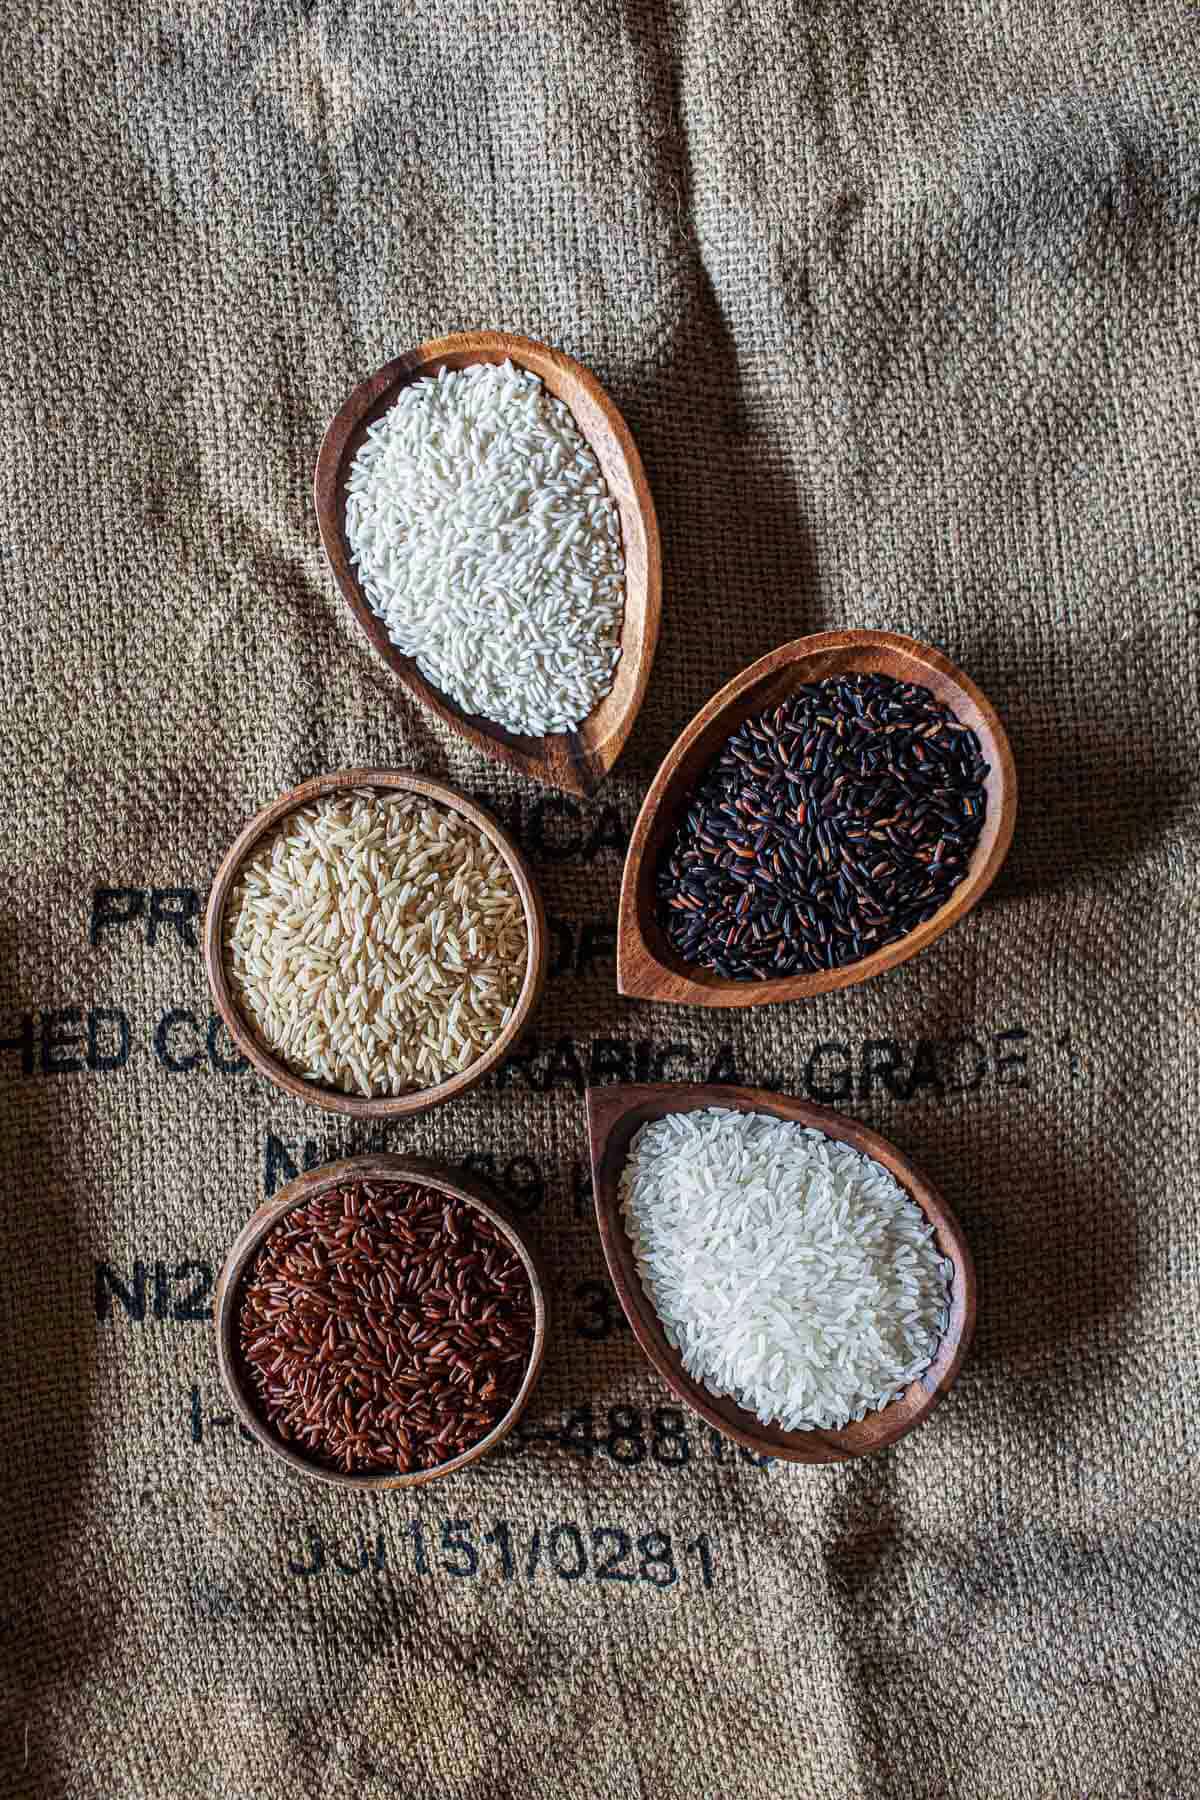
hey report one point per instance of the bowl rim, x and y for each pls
(617, 1111)
(647, 968)
(361, 1106)
(463, 1185)
(574, 761)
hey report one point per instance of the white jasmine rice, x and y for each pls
(487, 542)
(791, 1272)
(376, 943)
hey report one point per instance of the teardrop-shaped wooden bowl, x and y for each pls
(360, 1106)
(647, 966)
(578, 760)
(616, 1113)
(459, 1185)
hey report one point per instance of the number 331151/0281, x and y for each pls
(563, 1550)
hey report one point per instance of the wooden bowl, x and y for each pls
(614, 1115)
(388, 1106)
(459, 1185)
(648, 968)
(576, 760)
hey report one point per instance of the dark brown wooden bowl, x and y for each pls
(576, 760)
(648, 968)
(459, 1185)
(615, 1114)
(359, 1106)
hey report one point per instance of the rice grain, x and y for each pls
(789, 1270)
(486, 540)
(344, 942)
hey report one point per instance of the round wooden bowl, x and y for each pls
(458, 1185)
(572, 760)
(615, 1114)
(647, 966)
(358, 1106)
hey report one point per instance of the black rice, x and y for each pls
(384, 1328)
(828, 827)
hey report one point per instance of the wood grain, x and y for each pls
(459, 1185)
(358, 1106)
(647, 966)
(576, 761)
(615, 1114)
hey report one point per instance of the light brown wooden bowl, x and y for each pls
(647, 966)
(358, 1106)
(460, 1186)
(615, 1114)
(576, 760)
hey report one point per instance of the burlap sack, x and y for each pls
(900, 304)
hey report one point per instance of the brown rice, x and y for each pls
(376, 943)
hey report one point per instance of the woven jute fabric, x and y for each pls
(900, 303)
